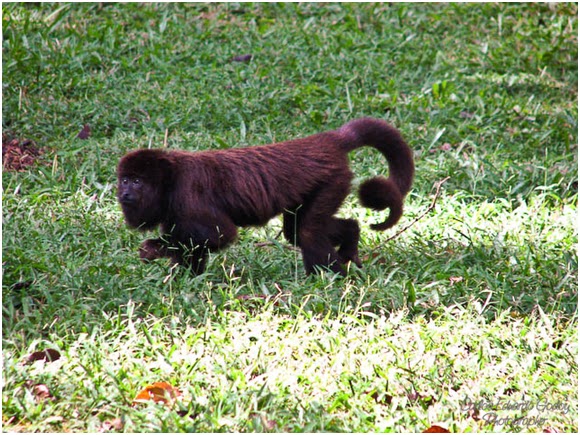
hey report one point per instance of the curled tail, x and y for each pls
(379, 193)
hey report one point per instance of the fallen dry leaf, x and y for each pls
(252, 297)
(159, 392)
(455, 279)
(115, 425)
(22, 285)
(384, 399)
(445, 147)
(48, 355)
(40, 391)
(416, 397)
(85, 133)
(266, 423)
(18, 154)
(374, 255)
(436, 429)
(243, 58)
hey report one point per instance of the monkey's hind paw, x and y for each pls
(344, 258)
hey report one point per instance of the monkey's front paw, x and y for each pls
(150, 250)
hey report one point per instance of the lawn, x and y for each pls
(466, 320)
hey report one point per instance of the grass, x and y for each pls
(467, 320)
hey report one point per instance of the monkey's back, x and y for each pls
(260, 182)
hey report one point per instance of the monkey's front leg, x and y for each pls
(195, 258)
(200, 235)
(152, 249)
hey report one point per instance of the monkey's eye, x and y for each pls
(137, 181)
(124, 180)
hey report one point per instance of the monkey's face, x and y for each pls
(130, 190)
(141, 201)
(144, 178)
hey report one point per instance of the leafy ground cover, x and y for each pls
(467, 320)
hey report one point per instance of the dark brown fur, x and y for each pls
(200, 198)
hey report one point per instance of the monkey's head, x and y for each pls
(143, 183)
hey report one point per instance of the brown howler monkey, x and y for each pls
(200, 198)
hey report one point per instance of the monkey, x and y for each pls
(199, 199)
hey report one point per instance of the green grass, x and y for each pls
(475, 306)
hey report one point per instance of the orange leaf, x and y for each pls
(159, 392)
(436, 429)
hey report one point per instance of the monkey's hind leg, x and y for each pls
(345, 233)
(316, 250)
(196, 259)
(318, 230)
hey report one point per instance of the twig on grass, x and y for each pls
(422, 215)
(165, 138)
